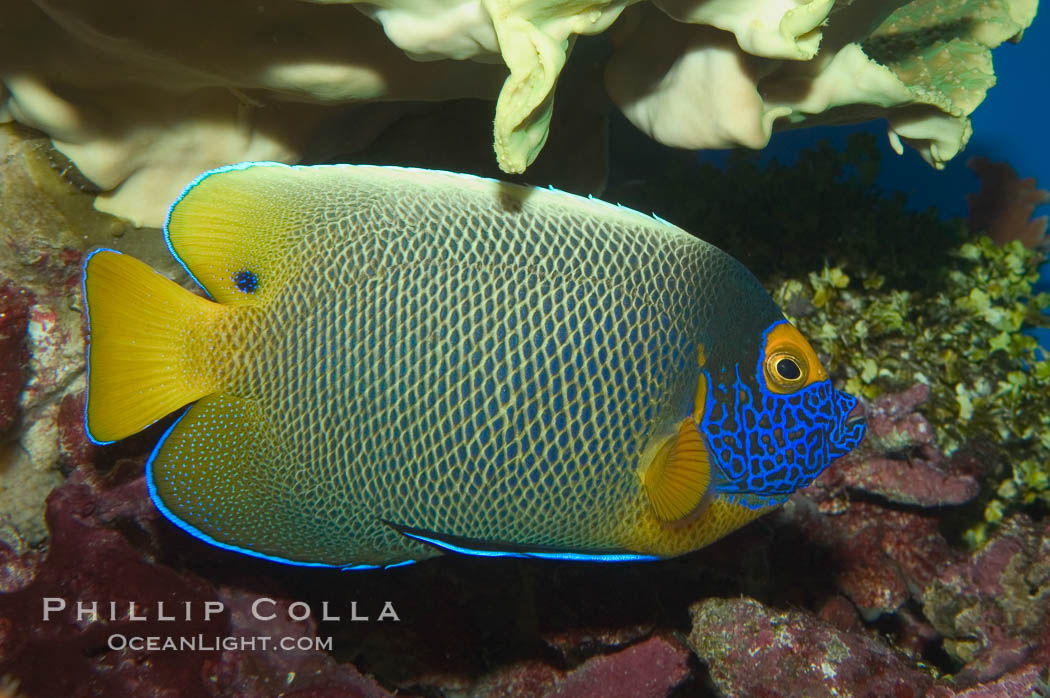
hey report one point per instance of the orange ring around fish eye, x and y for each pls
(784, 343)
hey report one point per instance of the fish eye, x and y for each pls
(787, 369)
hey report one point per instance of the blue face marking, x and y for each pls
(766, 444)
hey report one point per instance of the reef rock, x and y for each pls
(885, 556)
(649, 669)
(52, 644)
(14, 354)
(899, 459)
(42, 346)
(993, 609)
(881, 557)
(65, 653)
(752, 650)
(248, 670)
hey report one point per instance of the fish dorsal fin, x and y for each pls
(232, 229)
(678, 479)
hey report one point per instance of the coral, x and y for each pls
(1003, 208)
(924, 67)
(760, 27)
(140, 116)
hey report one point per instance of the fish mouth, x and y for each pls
(859, 413)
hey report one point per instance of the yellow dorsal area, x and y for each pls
(236, 225)
(678, 476)
(143, 328)
(700, 399)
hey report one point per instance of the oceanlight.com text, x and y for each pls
(203, 643)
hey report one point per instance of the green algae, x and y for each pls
(989, 382)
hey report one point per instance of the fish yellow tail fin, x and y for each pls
(141, 347)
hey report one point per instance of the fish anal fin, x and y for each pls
(222, 474)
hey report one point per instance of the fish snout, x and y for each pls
(850, 432)
(859, 413)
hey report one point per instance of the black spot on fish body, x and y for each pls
(246, 281)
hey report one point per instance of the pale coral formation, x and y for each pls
(140, 114)
(924, 67)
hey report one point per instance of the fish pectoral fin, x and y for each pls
(469, 546)
(232, 229)
(677, 479)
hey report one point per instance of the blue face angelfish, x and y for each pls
(394, 362)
